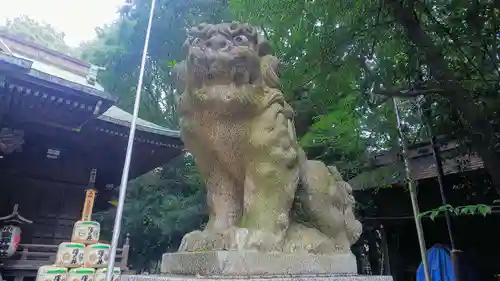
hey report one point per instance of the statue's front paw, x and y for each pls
(194, 241)
(263, 241)
(199, 241)
(237, 238)
(255, 240)
(233, 238)
(307, 240)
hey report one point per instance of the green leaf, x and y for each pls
(434, 214)
(423, 214)
(446, 207)
(470, 209)
(484, 209)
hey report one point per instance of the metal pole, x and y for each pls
(128, 154)
(440, 175)
(455, 253)
(413, 195)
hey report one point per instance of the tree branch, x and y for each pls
(403, 93)
(454, 39)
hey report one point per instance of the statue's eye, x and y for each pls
(240, 39)
(196, 42)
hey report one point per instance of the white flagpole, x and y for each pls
(128, 155)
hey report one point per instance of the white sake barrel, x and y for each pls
(70, 254)
(81, 274)
(86, 232)
(51, 273)
(97, 255)
(101, 274)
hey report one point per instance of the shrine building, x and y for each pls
(57, 127)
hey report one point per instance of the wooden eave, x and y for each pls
(141, 136)
(40, 97)
(388, 167)
(81, 151)
(46, 105)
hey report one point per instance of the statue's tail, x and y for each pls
(325, 182)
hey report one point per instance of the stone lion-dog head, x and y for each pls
(226, 53)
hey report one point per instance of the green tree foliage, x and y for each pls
(360, 54)
(160, 208)
(37, 32)
(328, 54)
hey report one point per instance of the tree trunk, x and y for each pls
(481, 133)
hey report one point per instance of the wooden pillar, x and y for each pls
(384, 247)
(125, 253)
(366, 267)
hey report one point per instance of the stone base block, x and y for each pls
(296, 278)
(242, 263)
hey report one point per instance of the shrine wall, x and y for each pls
(53, 207)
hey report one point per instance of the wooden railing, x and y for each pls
(29, 257)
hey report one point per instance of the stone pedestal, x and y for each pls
(242, 263)
(290, 278)
(256, 266)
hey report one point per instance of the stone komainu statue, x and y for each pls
(237, 124)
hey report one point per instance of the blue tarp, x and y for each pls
(440, 265)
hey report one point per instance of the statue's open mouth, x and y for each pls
(239, 65)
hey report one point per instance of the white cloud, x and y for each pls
(76, 18)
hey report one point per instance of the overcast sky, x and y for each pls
(76, 18)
